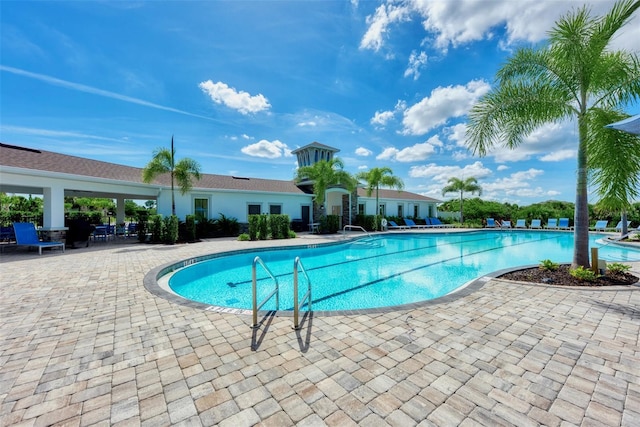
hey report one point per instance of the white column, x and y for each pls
(53, 207)
(119, 210)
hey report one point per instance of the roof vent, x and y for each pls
(15, 147)
(240, 177)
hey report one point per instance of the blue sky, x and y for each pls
(241, 84)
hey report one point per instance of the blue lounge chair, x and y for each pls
(394, 226)
(505, 223)
(411, 223)
(619, 226)
(535, 223)
(601, 225)
(521, 223)
(26, 235)
(552, 223)
(491, 223)
(563, 224)
(436, 223)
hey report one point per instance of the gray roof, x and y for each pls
(395, 194)
(42, 160)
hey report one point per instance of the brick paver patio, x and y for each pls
(82, 342)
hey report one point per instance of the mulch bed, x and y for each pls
(561, 276)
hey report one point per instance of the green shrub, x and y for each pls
(171, 227)
(583, 274)
(156, 226)
(228, 226)
(206, 228)
(263, 227)
(547, 264)
(329, 224)
(616, 267)
(190, 228)
(292, 234)
(254, 224)
(244, 237)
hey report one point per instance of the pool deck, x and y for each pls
(82, 342)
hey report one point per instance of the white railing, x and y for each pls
(276, 290)
(297, 264)
(344, 230)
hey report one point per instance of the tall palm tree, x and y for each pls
(164, 161)
(456, 185)
(324, 174)
(574, 77)
(377, 177)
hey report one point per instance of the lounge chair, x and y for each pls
(619, 226)
(521, 223)
(411, 223)
(491, 223)
(552, 223)
(563, 224)
(601, 225)
(505, 224)
(436, 223)
(392, 225)
(26, 235)
(536, 223)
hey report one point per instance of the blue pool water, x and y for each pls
(378, 271)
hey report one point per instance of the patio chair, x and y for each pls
(394, 226)
(491, 223)
(601, 225)
(436, 223)
(552, 223)
(535, 223)
(521, 223)
(563, 224)
(505, 223)
(619, 226)
(26, 235)
(412, 224)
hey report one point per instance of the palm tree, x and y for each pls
(614, 165)
(377, 177)
(324, 174)
(469, 185)
(574, 77)
(164, 161)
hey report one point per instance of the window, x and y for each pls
(275, 209)
(416, 211)
(400, 210)
(201, 208)
(360, 208)
(382, 209)
(254, 209)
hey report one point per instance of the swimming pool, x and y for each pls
(378, 271)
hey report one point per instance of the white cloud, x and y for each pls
(502, 168)
(443, 104)
(361, 151)
(363, 167)
(456, 23)
(560, 155)
(380, 118)
(442, 174)
(385, 15)
(310, 123)
(241, 101)
(416, 62)
(415, 153)
(266, 149)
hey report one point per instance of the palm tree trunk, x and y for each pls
(581, 218)
(461, 219)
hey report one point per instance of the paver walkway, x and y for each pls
(82, 342)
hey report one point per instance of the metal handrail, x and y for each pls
(276, 291)
(307, 297)
(344, 230)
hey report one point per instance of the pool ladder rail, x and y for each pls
(297, 265)
(351, 227)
